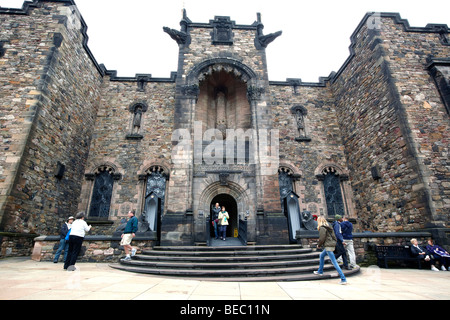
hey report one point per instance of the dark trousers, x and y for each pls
(75, 243)
(340, 251)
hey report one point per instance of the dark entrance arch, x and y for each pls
(231, 207)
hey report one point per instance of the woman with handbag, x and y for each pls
(327, 240)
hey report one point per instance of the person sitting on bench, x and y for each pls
(416, 250)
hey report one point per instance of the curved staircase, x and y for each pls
(232, 263)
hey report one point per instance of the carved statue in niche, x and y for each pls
(300, 114)
(221, 111)
(300, 122)
(137, 119)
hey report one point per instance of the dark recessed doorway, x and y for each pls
(231, 207)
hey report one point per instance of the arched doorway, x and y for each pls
(231, 207)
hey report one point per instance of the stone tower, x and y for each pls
(222, 89)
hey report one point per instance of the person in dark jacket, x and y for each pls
(347, 234)
(439, 254)
(327, 240)
(128, 234)
(340, 249)
(215, 219)
(417, 250)
(63, 244)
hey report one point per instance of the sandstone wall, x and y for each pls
(51, 96)
(113, 144)
(428, 122)
(325, 148)
(390, 116)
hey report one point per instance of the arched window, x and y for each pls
(154, 197)
(332, 189)
(104, 178)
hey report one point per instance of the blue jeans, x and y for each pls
(333, 261)
(63, 245)
(223, 231)
(215, 229)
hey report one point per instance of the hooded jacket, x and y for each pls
(327, 238)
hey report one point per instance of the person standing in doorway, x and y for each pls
(215, 219)
(77, 233)
(63, 244)
(327, 240)
(128, 234)
(223, 219)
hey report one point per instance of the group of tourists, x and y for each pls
(73, 231)
(71, 239)
(72, 234)
(431, 253)
(337, 242)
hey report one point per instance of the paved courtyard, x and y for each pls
(25, 279)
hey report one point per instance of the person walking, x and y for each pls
(215, 219)
(128, 234)
(223, 219)
(340, 249)
(327, 240)
(63, 244)
(77, 233)
(347, 235)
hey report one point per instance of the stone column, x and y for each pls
(272, 224)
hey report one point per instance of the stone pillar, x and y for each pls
(272, 225)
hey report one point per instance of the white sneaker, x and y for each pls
(434, 268)
(343, 282)
(443, 268)
(133, 252)
(317, 272)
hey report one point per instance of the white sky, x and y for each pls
(127, 36)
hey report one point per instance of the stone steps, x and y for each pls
(243, 263)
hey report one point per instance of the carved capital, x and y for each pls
(191, 91)
(255, 93)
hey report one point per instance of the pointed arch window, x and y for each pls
(102, 191)
(154, 196)
(332, 190)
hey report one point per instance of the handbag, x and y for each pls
(67, 235)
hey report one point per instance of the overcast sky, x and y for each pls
(128, 36)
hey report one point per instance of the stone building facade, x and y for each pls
(370, 141)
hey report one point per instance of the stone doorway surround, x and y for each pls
(245, 209)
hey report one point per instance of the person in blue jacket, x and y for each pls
(128, 234)
(347, 234)
(63, 243)
(340, 249)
